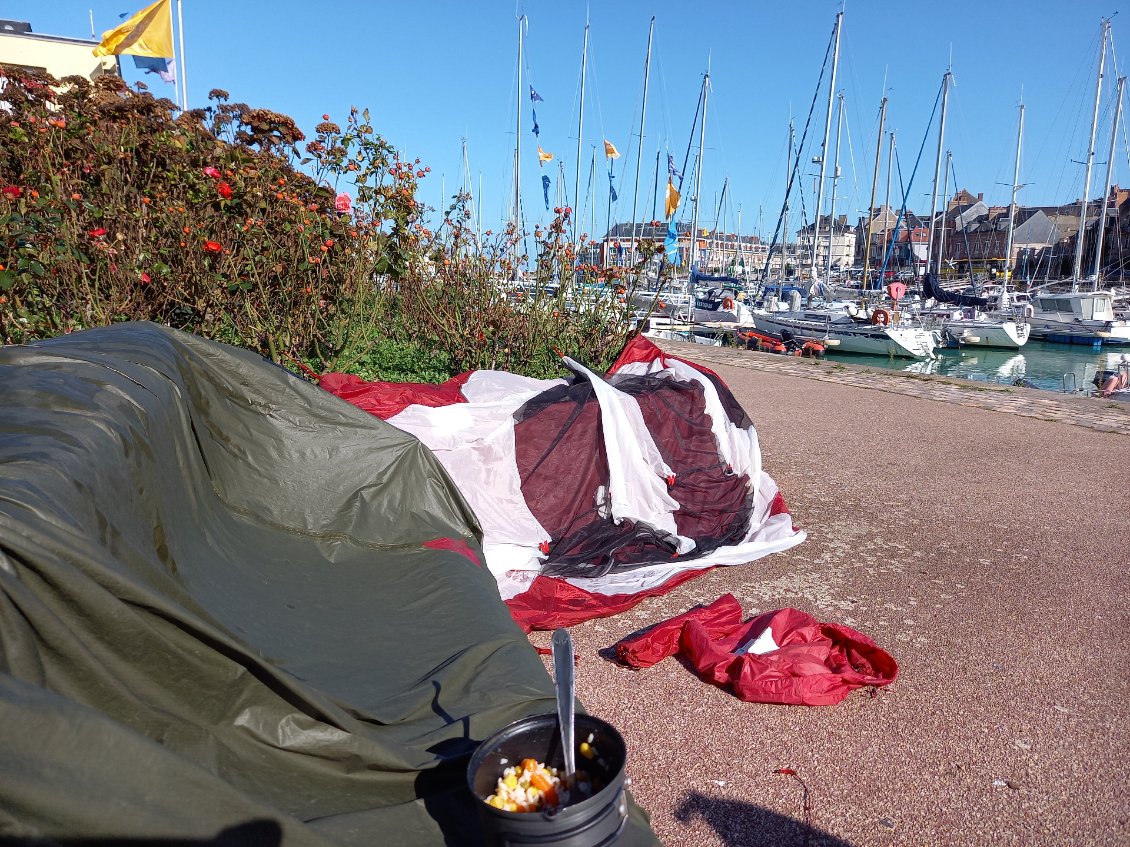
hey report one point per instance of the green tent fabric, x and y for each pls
(235, 607)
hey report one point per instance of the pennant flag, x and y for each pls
(543, 156)
(536, 130)
(164, 68)
(612, 186)
(671, 243)
(610, 150)
(534, 96)
(672, 171)
(671, 202)
(148, 33)
(545, 190)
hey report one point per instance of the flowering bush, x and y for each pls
(114, 207)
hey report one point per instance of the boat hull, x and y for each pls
(867, 339)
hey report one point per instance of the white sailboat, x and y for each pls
(1076, 316)
(968, 326)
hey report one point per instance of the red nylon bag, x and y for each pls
(806, 662)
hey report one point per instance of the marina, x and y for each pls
(1038, 364)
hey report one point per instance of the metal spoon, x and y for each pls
(563, 675)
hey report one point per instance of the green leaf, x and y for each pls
(7, 280)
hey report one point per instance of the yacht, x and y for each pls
(1077, 317)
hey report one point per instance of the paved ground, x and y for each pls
(978, 534)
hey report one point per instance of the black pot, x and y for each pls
(595, 821)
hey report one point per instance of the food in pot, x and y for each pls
(532, 786)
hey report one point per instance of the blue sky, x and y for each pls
(436, 72)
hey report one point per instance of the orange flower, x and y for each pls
(146, 200)
(187, 230)
(76, 196)
(213, 246)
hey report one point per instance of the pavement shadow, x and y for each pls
(739, 824)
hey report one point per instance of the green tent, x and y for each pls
(234, 605)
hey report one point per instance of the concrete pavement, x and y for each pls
(979, 535)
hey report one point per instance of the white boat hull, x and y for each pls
(912, 342)
(988, 333)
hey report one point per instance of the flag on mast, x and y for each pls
(164, 68)
(148, 33)
(671, 201)
(543, 156)
(610, 150)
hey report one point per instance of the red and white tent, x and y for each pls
(595, 492)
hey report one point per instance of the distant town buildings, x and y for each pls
(970, 236)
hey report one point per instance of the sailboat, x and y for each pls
(844, 327)
(966, 325)
(1075, 316)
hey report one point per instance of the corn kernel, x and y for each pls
(586, 750)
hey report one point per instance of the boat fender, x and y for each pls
(852, 310)
(812, 350)
(728, 303)
(1029, 310)
(881, 316)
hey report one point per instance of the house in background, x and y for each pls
(54, 54)
(842, 241)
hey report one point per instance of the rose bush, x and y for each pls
(115, 207)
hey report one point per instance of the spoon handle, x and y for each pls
(563, 675)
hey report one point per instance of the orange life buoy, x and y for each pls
(728, 303)
(880, 316)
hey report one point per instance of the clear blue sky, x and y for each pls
(435, 72)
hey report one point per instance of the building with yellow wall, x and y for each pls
(58, 55)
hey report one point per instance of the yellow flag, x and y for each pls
(672, 201)
(610, 151)
(543, 156)
(148, 33)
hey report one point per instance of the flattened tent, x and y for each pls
(209, 571)
(595, 492)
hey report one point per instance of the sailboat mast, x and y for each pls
(1012, 205)
(874, 185)
(937, 170)
(824, 148)
(785, 211)
(639, 152)
(835, 186)
(1106, 193)
(580, 132)
(945, 203)
(697, 191)
(518, 156)
(1080, 237)
(887, 201)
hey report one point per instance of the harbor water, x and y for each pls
(1038, 364)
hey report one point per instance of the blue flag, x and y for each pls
(612, 186)
(536, 130)
(671, 169)
(164, 68)
(534, 96)
(671, 243)
(545, 190)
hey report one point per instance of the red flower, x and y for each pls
(212, 172)
(343, 203)
(224, 190)
(97, 233)
(213, 246)
(13, 191)
(144, 278)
